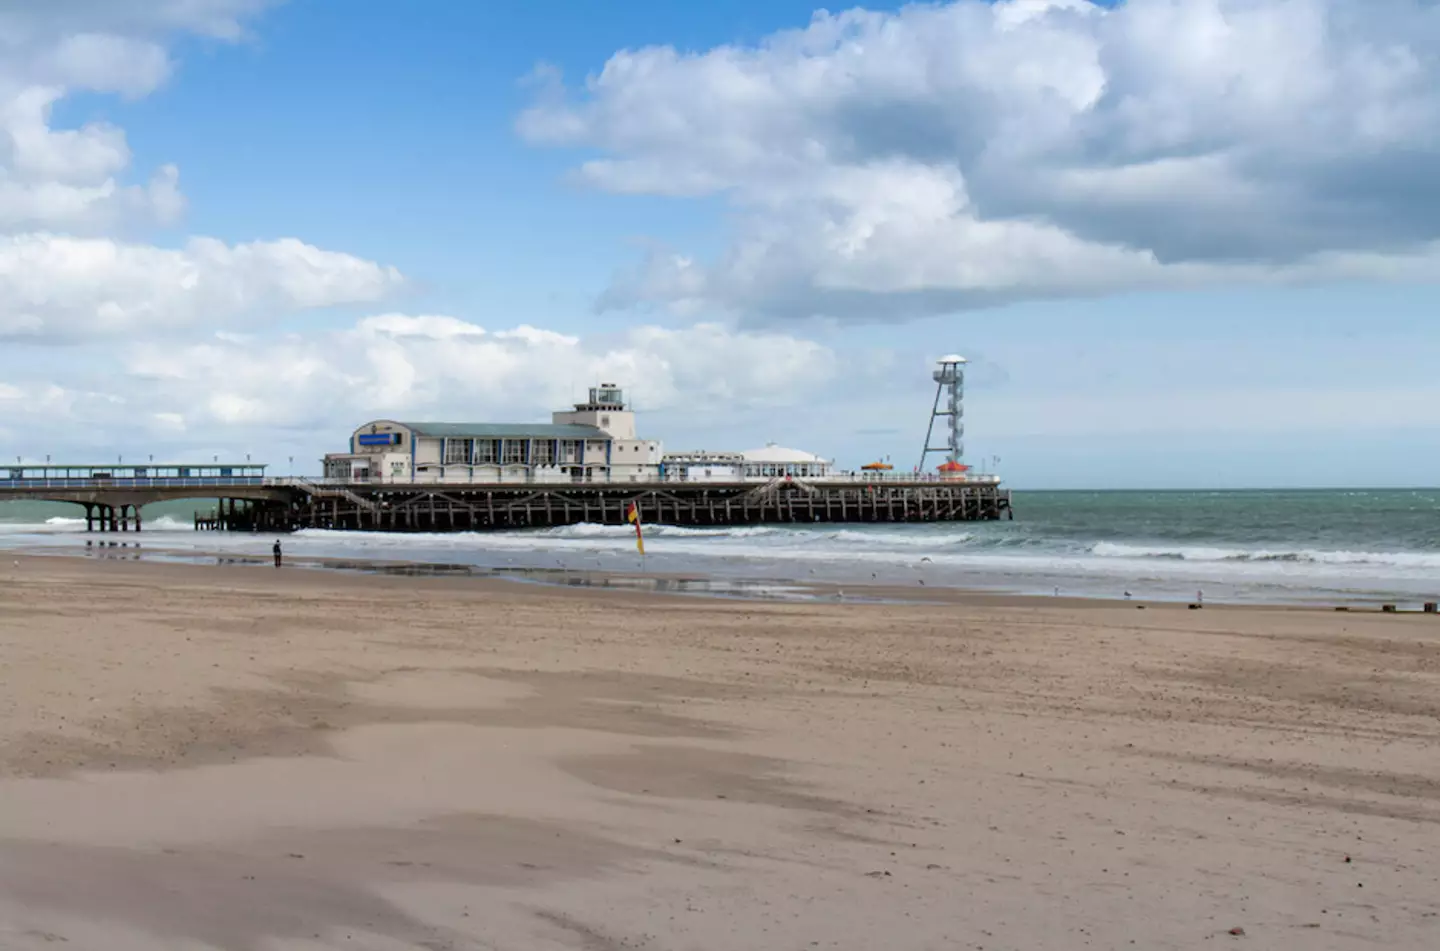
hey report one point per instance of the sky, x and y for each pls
(1185, 243)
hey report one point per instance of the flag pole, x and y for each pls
(632, 515)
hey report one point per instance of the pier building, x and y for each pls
(778, 462)
(753, 465)
(595, 441)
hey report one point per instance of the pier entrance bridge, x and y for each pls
(249, 500)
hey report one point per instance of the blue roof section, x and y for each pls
(506, 431)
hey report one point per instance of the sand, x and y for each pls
(239, 758)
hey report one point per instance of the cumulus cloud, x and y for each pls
(970, 153)
(75, 179)
(65, 192)
(71, 178)
(410, 366)
(57, 288)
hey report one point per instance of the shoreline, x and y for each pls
(666, 585)
(782, 590)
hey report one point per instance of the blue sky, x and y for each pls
(1192, 244)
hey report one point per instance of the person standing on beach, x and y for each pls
(276, 550)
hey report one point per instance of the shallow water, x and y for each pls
(1260, 546)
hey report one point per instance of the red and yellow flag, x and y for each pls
(632, 515)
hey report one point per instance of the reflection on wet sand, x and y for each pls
(744, 588)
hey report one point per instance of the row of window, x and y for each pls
(793, 469)
(535, 452)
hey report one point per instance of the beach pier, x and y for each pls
(248, 501)
(112, 496)
(389, 507)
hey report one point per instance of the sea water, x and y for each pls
(1321, 546)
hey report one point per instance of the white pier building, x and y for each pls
(593, 442)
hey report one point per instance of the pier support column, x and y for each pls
(136, 509)
(89, 517)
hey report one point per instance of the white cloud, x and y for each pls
(75, 179)
(964, 154)
(55, 288)
(437, 367)
(65, 191)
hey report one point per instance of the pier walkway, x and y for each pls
(248, 500)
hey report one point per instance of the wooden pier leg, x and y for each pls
(89, 517)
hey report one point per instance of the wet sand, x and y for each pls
(235, 757)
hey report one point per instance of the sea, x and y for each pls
(1283, 547)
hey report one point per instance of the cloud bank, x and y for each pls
(960, 155)
(417, 366)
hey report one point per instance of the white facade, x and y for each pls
(575, 447)
(594, 441)
(631, 459)
(703, 466)
(778, 462)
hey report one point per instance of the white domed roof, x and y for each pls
(781, 455)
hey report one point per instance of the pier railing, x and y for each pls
(140, 482)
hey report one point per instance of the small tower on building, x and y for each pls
(949, 407)
(605, 409)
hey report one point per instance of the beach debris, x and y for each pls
(1237, 932)
(1347, 860)
(877, 874)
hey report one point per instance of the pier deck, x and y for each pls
(266, 504)
(467, 507)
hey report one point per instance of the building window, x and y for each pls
(514, 452)
(457, 451)
(542, 452)
(570, 450)
(487, 451)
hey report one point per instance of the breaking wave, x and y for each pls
(1394, 559)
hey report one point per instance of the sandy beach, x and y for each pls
(241, 758)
